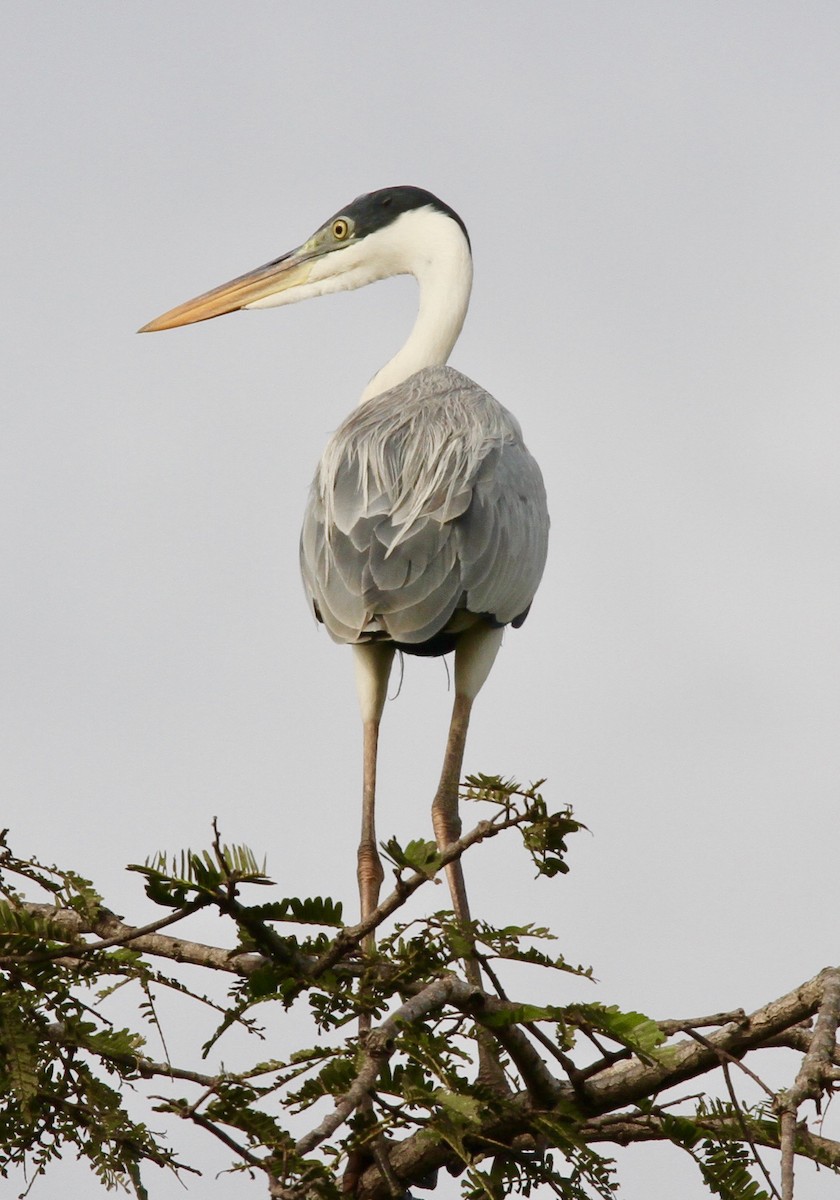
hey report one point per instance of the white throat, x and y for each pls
(422, 242)
(432, 247)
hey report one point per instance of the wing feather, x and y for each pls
(426, 503)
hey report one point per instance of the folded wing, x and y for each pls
(426, 508)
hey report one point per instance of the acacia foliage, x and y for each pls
(386, 1113)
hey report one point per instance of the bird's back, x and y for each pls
(426, 511)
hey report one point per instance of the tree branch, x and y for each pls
(380, 1044)
(622, 1129)
(813, 1075)
(621, 1084)
(685, 1024)
(146, 1067)
(630, 1081)
(352, 936)
(110, 928)
(114, 932)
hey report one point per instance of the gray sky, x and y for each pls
(652, 196)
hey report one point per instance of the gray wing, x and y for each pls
(426, 504)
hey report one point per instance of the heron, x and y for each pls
(426, 526)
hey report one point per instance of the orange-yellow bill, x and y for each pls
(278, 276)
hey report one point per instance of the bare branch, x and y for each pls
(685, 1024)
(115, 940)
(627, 1082)
(110, 928)
(813, 1075)
(726, 1058)
(623, 1083)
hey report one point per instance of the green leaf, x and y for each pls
(113, 1042)
(183, 877)
(522, 1014)
(332, 1080)
(545, 840)
(419, 855)
(492, 788)
(466, 1108)
(18, 1053)
(631, 1029)
(317, 910)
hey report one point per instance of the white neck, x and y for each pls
(431, 247)
(424, 243)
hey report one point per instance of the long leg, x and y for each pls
(373, 666)
(474, 656)
(446, 819)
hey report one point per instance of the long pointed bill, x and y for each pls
(290, 271)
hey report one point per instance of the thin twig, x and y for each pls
(685, 1024)
(745, 1130)
(351, 937)
(725, 1057)
(146, 1067)
(545, 1041)
(205, 1123)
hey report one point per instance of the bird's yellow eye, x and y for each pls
(340, 229)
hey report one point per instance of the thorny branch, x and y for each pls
(627, 1082)
(614, 1083)
(352, 936)
(616, 1086)
(112, 931)
(814, 1076)
(598, 1100)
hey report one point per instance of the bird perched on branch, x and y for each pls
(426, 528)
